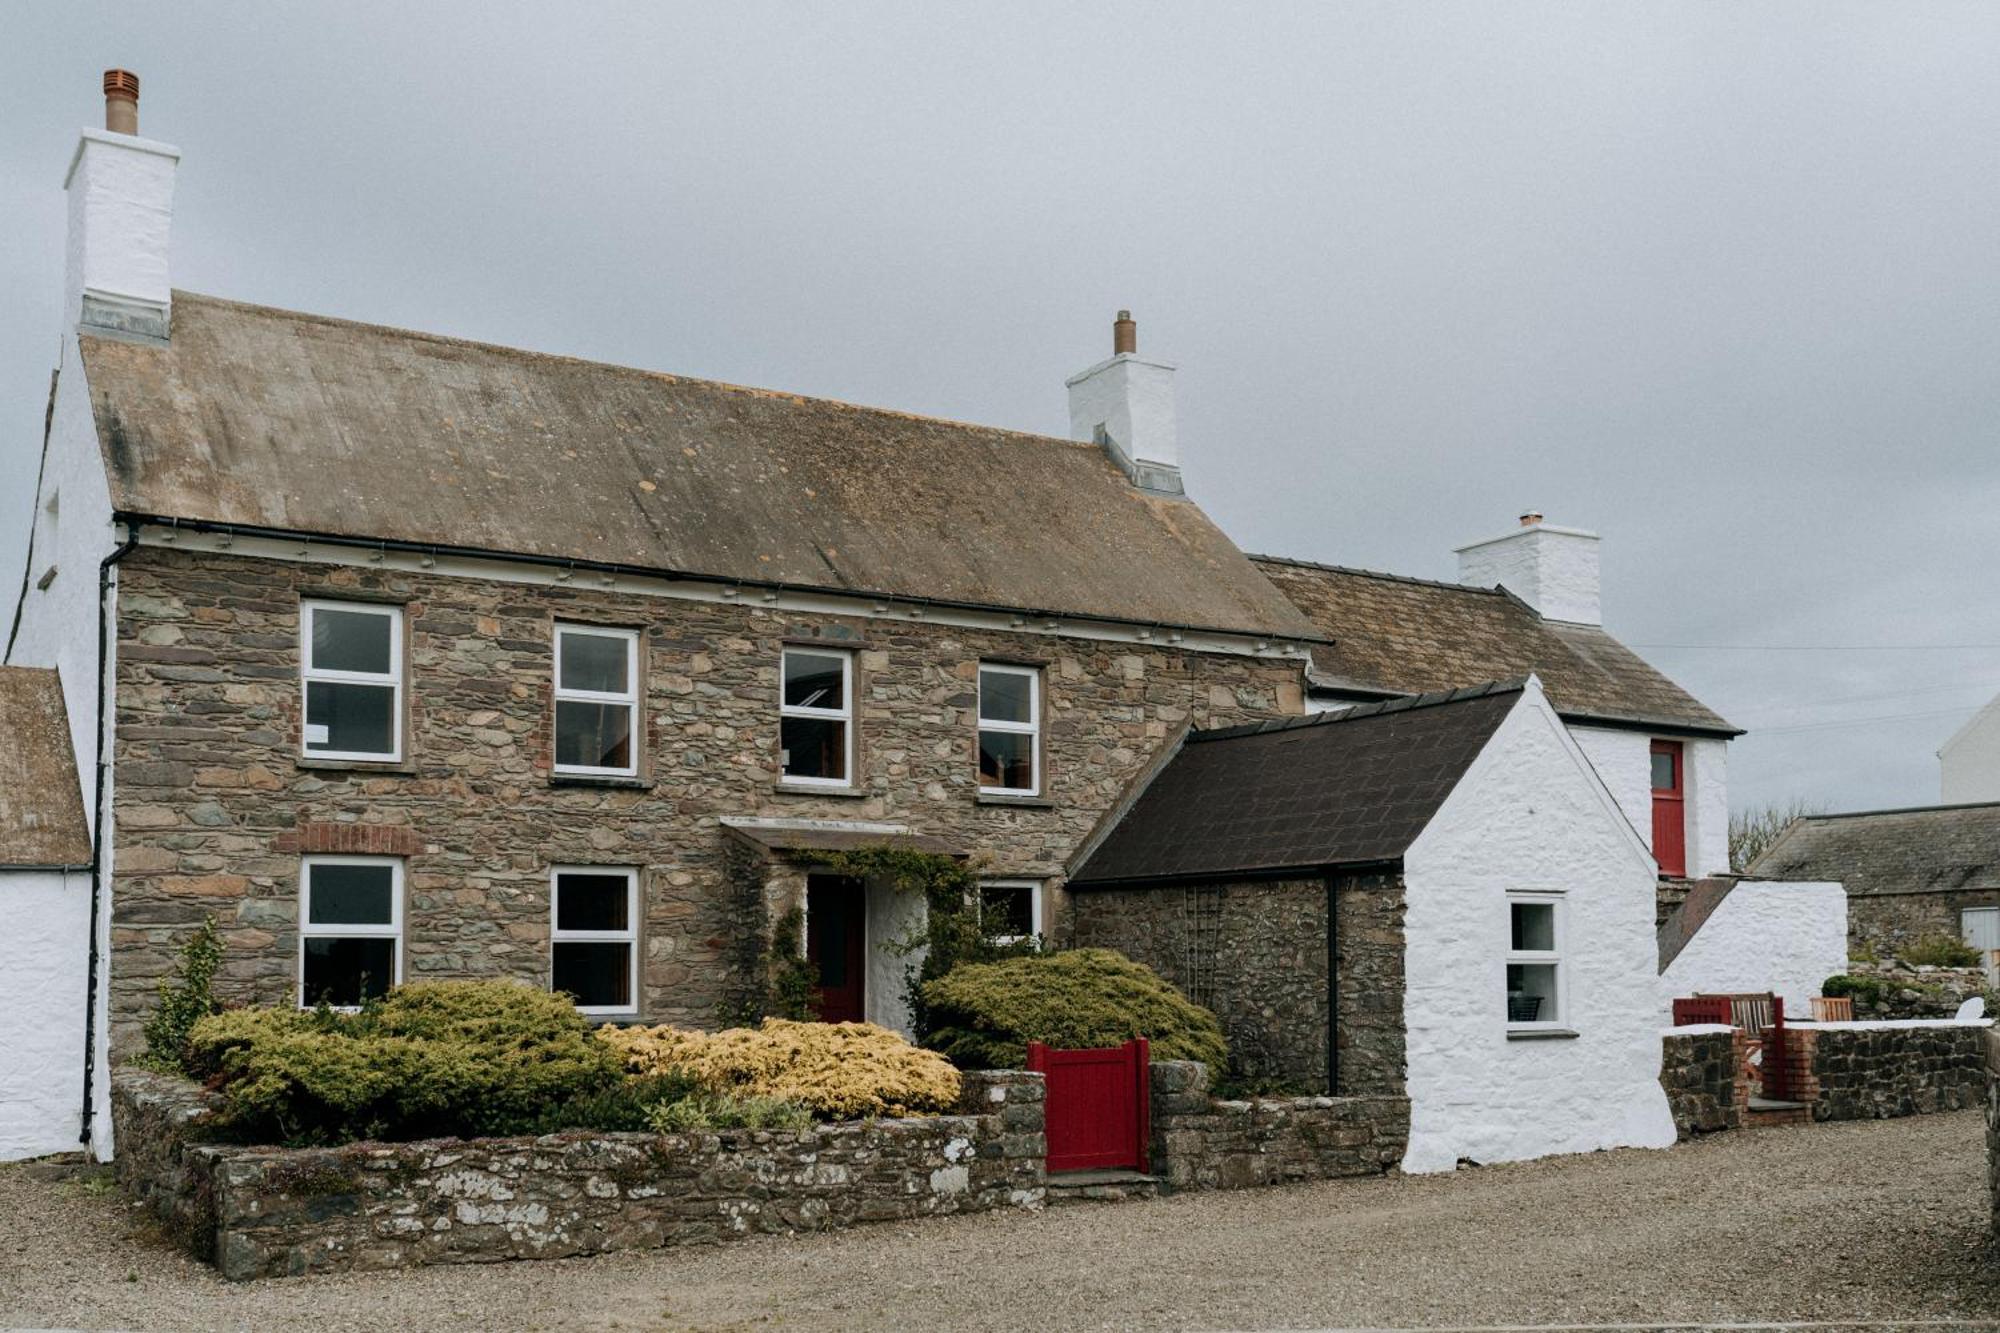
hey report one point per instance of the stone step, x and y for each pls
(1089, 1186)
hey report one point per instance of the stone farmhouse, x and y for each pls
(402, 656)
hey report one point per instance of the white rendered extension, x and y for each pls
(1623, 758)
(1768, 935)
(1530, 814)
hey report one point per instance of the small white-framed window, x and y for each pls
(594, 937)
(597, 700)
(1010, 730)
(351, 665)
(1011, 909)
(816, 717)
(350, 929)
(1535, 991)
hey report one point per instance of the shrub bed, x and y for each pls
(984, 1015)
(838, 1070)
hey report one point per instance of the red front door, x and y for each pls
(1669, 809)
(836, 945)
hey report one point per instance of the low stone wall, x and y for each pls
(1907, 991)
(1864, 1072)
(1201, 1143)
(1993, 1124)
(1698, 1068)
(263, 1212)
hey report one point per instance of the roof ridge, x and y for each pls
(1299, 563)
(1406, 704)
(727, 386)
(1904, 810)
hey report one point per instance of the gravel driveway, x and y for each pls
(1880, 1220)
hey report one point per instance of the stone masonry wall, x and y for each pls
(270, 1212)
(1202, 1143)
(1887, 923)
(1698, 1071)
(1864, 1073)
(1909, 991)
(214, 804)
(1992, 1049)
(1255, 953)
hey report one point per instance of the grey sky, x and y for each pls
(1720, 281)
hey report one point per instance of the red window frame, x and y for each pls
(1670, 809)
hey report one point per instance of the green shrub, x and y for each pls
(625, 1108)
(1940, 951)
(186, 997)
(715, 1110)
(984, 1014)
(1865, 990)
(432, 1059)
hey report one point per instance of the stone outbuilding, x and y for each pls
(1437, 891)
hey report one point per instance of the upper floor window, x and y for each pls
(351, 658)
(594, 939)
(816, 717)
(1534, 960)
(1010, 730)
(350, 929)
(1669, 807)
(597, 700)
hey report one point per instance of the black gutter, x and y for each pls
(97, 826)
(1332, 986)
(688, 576)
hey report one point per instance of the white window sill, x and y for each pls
(1022, 799)
(1540, 1034)
(815, 789)
(564, 778)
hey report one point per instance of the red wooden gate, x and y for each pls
(1098, 1106)
(1776, 1070)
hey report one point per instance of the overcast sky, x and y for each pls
(1721, 282)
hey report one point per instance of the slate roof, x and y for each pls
(1405, 635)
(41, 805)
(262, 418)
(1929, 849)
(1352, 788)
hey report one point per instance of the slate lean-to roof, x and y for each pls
(1351, 788)
(1930, 849)
(1405, 635)
(41, 806)
(262, 418)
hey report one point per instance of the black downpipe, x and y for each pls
(97, 827)
(1332, 986)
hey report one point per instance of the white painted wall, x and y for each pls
(41, 1010)
(1969, 763)
(893, 915)
(1785, 937)
(1624, 760)
(1552, 569)
(1530, 814)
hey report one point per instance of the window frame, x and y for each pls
(844, 715)
(628, 936)
(343, 931)
(560, 696)
(1036, 889)
(309, 608)
(1032, 728)
(1555, 957)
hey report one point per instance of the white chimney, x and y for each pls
(1126, 405)
(121, 203)
(1552, 569)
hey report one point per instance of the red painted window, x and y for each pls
(1669, 809)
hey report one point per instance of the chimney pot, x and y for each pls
(1530, 519)
(1124, 335)
(121, 101)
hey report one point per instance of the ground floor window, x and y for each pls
(594, 940)
(350, 929)
(1011, 908)
(1534, 960)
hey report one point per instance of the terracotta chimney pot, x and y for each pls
(121, 101)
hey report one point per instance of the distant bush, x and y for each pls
(1940, 951)
(186, 997)
(839, 1071)
(429, 1060)
(983, 1015)
(1865, 990)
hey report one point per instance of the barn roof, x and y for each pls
(1927, 849)
(41, 806)
(1353, 788)
(268, 419)
(1404, 635)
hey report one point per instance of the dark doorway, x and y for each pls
(836, 945)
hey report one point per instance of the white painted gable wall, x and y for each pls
(1969, 763)
(1530, 814)
(41, 1000)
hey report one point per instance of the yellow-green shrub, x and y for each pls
(841, 1070)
